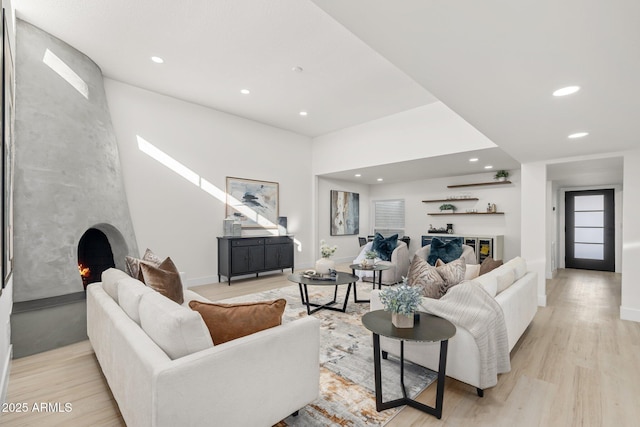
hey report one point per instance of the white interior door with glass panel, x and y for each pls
(589, 230)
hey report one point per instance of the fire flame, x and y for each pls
(84, 271)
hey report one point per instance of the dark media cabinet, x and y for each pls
(239, 256)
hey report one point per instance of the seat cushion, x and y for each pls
(227, 322)
(384, 246)
(177, 330)
(447, 252)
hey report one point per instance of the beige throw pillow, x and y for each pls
(133, 264)
(472, 271)
(164, 278)
(505, 279)
(227, 322)
(452, 274)
(426, 277)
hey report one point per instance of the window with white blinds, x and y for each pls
(388, 217)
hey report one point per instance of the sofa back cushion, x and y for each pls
(447, 252)
(505, 278)
(519, 265)
(227, 322)
(177, 330)
(130, 292)
(110, 278)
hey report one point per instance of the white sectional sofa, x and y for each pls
(513, 288)
(179, 378)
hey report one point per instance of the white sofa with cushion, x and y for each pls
(163, 369)
(514, 289)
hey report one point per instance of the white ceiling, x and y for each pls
(495, 63)
(214, 48)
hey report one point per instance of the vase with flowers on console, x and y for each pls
(325, 264)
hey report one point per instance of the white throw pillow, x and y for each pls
(505, 279)
(177, 330)
(472, 271)
(519, 265)
(110, 278)
(130, 292)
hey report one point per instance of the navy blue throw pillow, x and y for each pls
(384, 246)
(447, 252)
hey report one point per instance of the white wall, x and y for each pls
(348, 246)
(176, 218)
(630, 305)
(506, 197)
(533, 222)
(427, 131)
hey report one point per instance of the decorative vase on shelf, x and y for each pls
(323, 265)
(502, 178)
(402, 320)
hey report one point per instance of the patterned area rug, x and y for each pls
(347, 396)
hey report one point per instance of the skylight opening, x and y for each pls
(64, 71)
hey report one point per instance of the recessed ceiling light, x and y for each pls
(379, 179)
(566, 91)
(297, 69)
(357, 175)
(303, 113)
(157, 59)
(473, 160)
(488, 167)
(578, 135)
(245, 91)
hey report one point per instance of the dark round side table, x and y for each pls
(341, 279)
(379, 268)
(427, 328)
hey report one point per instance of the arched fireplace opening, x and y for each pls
(94, 256)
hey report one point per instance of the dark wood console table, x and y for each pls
(239, 256)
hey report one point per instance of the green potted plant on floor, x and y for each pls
(402, 301)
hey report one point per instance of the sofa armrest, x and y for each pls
(259, 379)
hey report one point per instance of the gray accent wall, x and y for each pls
(67, 172)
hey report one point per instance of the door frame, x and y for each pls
(617, 200)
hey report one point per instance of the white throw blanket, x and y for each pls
(467, 305)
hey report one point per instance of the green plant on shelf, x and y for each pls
(447, 207)
(501, 175)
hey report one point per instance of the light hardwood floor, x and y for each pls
(578, 364)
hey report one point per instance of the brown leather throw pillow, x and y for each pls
(227, 322)
(164, 278)
(489, 264)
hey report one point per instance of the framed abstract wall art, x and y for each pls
(345, 213)
(253, 203)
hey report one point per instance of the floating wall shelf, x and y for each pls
(451, 200)
(466, 213)
(476, 184)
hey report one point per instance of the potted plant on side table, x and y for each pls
(402, 301)
(369, 259)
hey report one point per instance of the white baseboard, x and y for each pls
(4, 378)
(542, 300)
(629, 314)
(207, 280)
